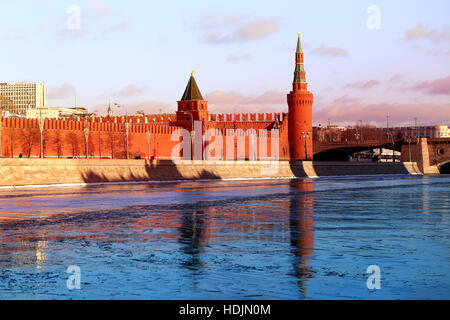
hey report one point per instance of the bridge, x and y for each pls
(432, 155)
(338, 144)
(341, 150)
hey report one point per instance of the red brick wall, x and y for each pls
(107, 137)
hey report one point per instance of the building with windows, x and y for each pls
(443, 131)
(56, 112)
(435, 131)
(17, 98)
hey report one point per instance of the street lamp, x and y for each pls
(409, 147)
(127, 125)
(361, 127)
(329, 130)
(41, 130)
(148, 141)
(306, 136)
(99, 141)
(86, 138)
(393, 145)
(121, 106)
(417, 128)
(357, 136)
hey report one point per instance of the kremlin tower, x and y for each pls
(300, 102)
(192, 106)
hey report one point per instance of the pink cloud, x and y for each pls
(131, 91)
(345, 100)
(363, 85)
(397, 79)
(218, 29)
(151, 107)
(147, 106)
(330, 52)
(270, 97)
(376, 113)
(422, 32)
(98, 8)
(123, 26)
(61, 92)
(231, 101)
(438, 86)
(239, 58)
(266, 98)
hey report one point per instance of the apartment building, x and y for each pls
(17, 98)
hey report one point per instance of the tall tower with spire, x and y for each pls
(192, 106)
(300, 102)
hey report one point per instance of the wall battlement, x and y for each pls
(152, 136)
(247, 117)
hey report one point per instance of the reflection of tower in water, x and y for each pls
(301, 225)
(193, 236)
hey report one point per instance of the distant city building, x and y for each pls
(444, 131)
(18, 98)
(56, 112)
(435, 131)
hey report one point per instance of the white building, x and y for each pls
(437, 131)
(18, 98)
(55, 113)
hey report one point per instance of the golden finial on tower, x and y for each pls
(192, 73)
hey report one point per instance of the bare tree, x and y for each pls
(123, 144)
(58, 141)
(73, 141)
(91, 143)
(30, 138)
(112, 140)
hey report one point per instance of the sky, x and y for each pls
(364, 60)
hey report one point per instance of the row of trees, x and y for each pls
(59, 143)
(348, 134)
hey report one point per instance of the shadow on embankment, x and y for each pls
(341, 168)
(163, 170)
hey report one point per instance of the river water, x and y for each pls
(242, 239)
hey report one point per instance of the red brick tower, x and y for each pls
(192, 105)
(300, 102)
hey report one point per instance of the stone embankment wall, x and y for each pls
(21, 172)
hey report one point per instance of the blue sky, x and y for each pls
(141, 53)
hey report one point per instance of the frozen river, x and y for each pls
(242, 239)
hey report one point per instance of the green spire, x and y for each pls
(299, 72)
(299, 44)
(192, 92)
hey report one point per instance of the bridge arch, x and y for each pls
(444, 167)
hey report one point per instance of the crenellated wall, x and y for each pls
(148, 137)
(245, 117)
(106, 138)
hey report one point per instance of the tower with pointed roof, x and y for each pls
(109, 112)
(192, 106)
(300, 102)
